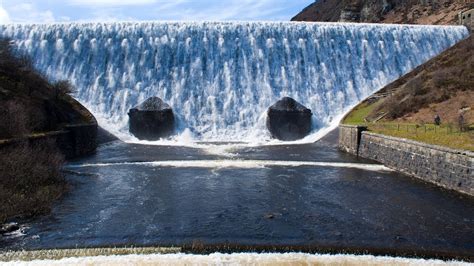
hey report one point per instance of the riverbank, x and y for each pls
(442, 166)
(41, 125)
(396, 126)
(448, 135)
(229, 198)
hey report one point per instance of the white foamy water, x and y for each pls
(241, 164)
(220, 77)
(240, 259)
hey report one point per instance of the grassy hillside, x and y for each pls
(443, 86)
(439, 12)
(419, 95)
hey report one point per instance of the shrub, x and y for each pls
(13, 120)
(30, 176)
(434, 82)
(30, 179)
(63, 87)
(32, 104)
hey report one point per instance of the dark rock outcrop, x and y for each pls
(439, 12)
(289, 120)
(151, 120)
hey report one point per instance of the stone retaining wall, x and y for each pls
(73, 141)
(349, 138)
(76, 139)
(452, 169)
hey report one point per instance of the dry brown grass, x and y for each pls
(433, 83)
(448, 110)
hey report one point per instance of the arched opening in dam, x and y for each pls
(218, 181)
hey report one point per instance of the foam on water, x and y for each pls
(239, 259)
(241, 164)
(220, 77)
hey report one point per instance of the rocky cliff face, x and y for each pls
(385, 11)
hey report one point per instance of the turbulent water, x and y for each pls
(220, 78)
(240, 259)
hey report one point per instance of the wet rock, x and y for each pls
(289, 120)
(269, 216)
(151, 120)
(8, 228)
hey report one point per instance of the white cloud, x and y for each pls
(4, 17)
(47, 11)
(29, 13)
(111, 2)
(222, 10)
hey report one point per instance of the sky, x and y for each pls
(50, 11)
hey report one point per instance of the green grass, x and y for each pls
(444, 135)
(429, 85)
(358, 115)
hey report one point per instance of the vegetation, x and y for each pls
(445, 135)
(32, 103)
(437, 12)
(30, 179)
(406, 108)
(358, 115)
(30, 176)
(449, 135)
(439, 80)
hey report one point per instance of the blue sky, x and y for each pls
(48, 11)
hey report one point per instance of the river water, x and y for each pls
(220, 78)
(307, 195)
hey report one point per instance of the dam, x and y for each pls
(221, 180)
(220, 77)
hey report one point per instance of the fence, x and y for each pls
(422, 128)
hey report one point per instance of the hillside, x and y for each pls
(31, 104)
(31, 175)
(447, 80)
(443, 86)
(438, 12)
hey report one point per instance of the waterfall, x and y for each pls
(220, 77)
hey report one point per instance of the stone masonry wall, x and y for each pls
(452, 169)
(349, 138)
(73, 141)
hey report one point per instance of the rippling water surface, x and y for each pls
(310, 195)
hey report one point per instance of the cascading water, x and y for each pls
(220, 78)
